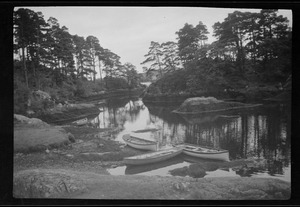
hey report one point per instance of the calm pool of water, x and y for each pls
(263, 133)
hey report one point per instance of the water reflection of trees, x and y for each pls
(263, 133)
(172, 128)
(205, 129)
(276, 140)
(118, 111)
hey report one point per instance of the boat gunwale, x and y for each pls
(199, 152)
(145, 141)
(167, 152)
(194, 145)
(146, 130)
(218, 151)
(151, 159)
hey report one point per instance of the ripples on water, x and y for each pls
(262, 132)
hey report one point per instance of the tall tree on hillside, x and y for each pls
(154, 56)
(53, 41)
(171, 60)
(82, 56)
(263, 37)
(62, 49)
(202, 33)
(39, 30)
(273, 38)
(94, 51)
(112, 65)
(130, 74)
(232, 31)
(101, 56)
(187, 42)
(27, 32)
(251, 26)
(66, 51)
(190, 39)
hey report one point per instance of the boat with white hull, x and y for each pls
(153, 157)
(206, 152)
(139, 143)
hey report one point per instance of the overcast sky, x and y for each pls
(128, 31)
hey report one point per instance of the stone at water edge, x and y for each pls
(71, 137)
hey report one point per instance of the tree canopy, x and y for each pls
(45, 50)
(249, 47)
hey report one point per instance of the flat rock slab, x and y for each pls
(58, 183)
(28, 138)
(201, 105)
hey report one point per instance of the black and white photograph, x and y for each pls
(152, 103)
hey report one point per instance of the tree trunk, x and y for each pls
(34, 72)
(254, 47)
(239, 56)
(37, 62)
(159, 65)
(94, 65)
(100, 70)
(242, 57)
(24, 66)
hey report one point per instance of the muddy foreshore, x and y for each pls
(71, 162)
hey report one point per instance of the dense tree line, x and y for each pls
(48, 58)
(250, 47)
(46, 54)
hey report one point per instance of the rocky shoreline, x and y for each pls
(78, 169)
(60, 183)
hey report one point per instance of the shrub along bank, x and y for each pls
(180, 85)
(58, 99)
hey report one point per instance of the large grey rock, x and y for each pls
(200, 100)
(42, 94)
(32, 121)
(35, 135)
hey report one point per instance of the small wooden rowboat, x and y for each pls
(139, 143)
(153, 156)
(81, 122)
(206, 152)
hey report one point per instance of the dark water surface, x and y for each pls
(262, 132)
